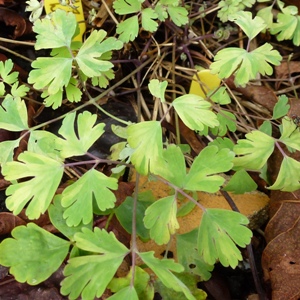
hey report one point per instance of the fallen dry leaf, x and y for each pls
(285, 70)
(12, 18)
(281, 264)
(8, 222)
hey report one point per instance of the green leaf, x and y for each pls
(54, 100)
(41, 176)
(189, 280)
(290, 134)
(172, 166)
(103, 80)
(251, 27)
(287, 28)
(128, 30)
(227, 121)
(179, 15)
(188, 256)
(210, 161)
(44, 143)
(56, 31)
(281, 108)
(266, 127)
(219, 95)
(222, 143)
(5, 72)
(7, 150)
(148, 16)
(254, 151)
(78, 144)
(56, 211)
(245, 65)
(160, 218)
(89, 56)
(13, 114)
(146, 140)
(89, 275)
(128, 293)
(73, 92)
(240, 183)
(195, 112)
(288, 179)
(51, 72)
(78, 197)
(124, 215)
(142, 285)
(158, 89)
(266, 14)
(125, 7)
(162, 268)
(219, 232)
(19, 91)
(33, 254)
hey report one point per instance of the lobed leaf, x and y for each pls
(89, 56)
(179, 15)
(210, 161)
(92, 188)
(128, 30)
(160, 218)
(5, 72)
(56, 211)
(54, 73)
(41, 176)
(56, 31)
(148, 17)
(172, 166)
(245, 65)
(219, 232)
(289, 169)
(77, 144)
(13, 114)
(287, 28)
(89, 275)
(254, 151)
(157, 88)
(162, 268)
(146, 140)
(195, 112)
(33, 254)
(125, 7)
(251, 27)
(290, 134)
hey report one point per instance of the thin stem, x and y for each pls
(134, 249)
(183, 193)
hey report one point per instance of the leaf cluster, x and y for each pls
(148, 17)
(94, 255)
(55, 75)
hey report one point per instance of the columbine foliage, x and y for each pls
(128, 29)
(37, 173)
(54, 74)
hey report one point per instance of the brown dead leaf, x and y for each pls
(8, 222)
(12, 18)
(285, 70)
(285, 217)
(261, 95)
(281, 264)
